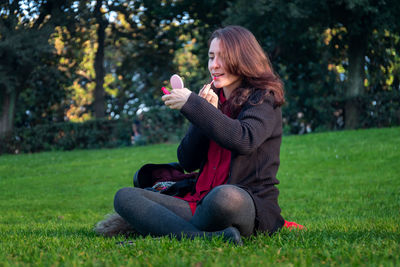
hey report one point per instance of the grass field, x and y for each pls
(343, 186)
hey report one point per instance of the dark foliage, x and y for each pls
(157, 125)
(328, 113)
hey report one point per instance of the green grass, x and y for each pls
(344, 186)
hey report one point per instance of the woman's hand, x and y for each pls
(177, 98)
(208, 94)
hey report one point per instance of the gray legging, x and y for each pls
(223, 210)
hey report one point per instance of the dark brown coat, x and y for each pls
(254, 138)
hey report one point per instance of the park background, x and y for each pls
(75, 75)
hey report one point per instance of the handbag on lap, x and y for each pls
(169, 179)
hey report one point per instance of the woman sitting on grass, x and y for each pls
(234, 139)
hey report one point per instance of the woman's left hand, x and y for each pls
(208, 94)
(177, 98)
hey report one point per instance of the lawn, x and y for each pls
(343, 186)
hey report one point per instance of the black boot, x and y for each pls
(231, 235)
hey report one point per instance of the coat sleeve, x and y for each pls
(243, 135)
(193, 149)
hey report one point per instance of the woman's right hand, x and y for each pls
(208, 94)
(177, 98)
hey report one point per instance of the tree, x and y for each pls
(24, 35)
(102, 23)
(136, 42)
(361, 19)
(294, 33)
(147, 35)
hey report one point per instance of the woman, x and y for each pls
(234, 139)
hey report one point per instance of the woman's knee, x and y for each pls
(123, 196)
(229, 199)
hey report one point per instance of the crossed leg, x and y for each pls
(225, 209)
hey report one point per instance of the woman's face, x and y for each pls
(222, 78)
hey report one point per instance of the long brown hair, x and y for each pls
(243, 56)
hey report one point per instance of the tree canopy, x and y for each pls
(79, 60)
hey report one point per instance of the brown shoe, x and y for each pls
(114, 225)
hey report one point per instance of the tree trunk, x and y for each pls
(99, 101)
(7, 112)
(355, 82)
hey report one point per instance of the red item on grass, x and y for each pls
(291, 225)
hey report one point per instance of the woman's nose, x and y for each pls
(215, 63)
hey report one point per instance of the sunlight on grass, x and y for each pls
(343, 186)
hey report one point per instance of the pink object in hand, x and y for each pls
(165, 91)
(176, 82)
(214, 79)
